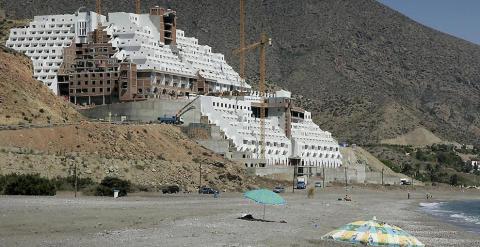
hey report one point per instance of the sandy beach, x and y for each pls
(201, 220)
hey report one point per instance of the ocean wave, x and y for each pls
(467, 218)
(436, 208)
(465, 214)
(430, 204)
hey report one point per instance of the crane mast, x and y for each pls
(98, 31)
(261, 89)
(262, 45)
(138, 7)
(242, 45)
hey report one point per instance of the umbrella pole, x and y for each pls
(264, 211)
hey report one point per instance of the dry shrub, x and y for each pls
(310, 193)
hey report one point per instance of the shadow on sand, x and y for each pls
(249, 217)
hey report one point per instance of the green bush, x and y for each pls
(3, 182)
(407, 169)
(454, 180)
(448, 158)
(108, 184)
(392, 166)
(29, 184)
(68, 183)
(424, 156)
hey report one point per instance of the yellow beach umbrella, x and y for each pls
(373, 233)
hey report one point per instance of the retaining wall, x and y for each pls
(144, 111)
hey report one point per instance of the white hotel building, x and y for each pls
(304, 140)
(44, 39)
(137, 38)
(155, 46)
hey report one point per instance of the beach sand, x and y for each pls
(152, 219)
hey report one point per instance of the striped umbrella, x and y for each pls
(373, 233)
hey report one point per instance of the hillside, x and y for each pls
(25, 100)
(149, 155)
(367, 72)
(436, 163)
(418, 137)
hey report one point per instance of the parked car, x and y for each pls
(405, 181)
(206, 190)
(279, 189)
(171, 189)
(318, 184)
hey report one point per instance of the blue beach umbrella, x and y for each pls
(265, 197)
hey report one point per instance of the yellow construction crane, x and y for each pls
(262, 45)
(98, 31)
(137, 7)
(242, 45)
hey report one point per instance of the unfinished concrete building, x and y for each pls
(138, 56)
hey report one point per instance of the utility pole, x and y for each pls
(323, 176)
(75, 174)
(346, 181)
(294, 177)
(200, 179)
(75, 168)
(382, 175)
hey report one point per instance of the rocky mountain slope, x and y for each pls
(367, 72)
(25, 100)
(149, 155)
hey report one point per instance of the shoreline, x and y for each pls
(456, 218)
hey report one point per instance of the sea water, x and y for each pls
(465, 214)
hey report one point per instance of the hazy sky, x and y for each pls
(460, 18)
